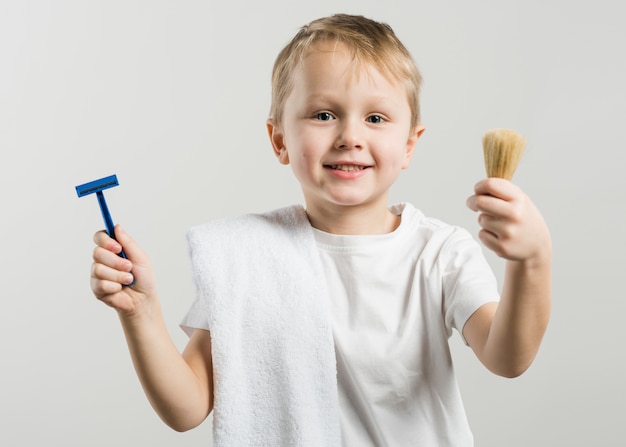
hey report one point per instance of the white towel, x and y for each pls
(262, 294)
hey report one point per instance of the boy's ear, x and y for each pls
(277, 139)
(411, 143)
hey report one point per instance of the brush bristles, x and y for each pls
(503, 149)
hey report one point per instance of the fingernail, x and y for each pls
(129, 279)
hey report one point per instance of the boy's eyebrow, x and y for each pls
(318, 97)
(315, 99)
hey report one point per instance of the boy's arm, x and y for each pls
(506, 336)
(179, 387)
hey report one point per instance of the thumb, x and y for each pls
(132, 250)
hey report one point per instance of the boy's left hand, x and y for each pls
(511, 224)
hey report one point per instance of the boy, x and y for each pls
(349, 285)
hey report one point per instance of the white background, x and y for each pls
(172, 96)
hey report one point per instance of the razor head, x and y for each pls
(97, 185)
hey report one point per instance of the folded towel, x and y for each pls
(262, 295)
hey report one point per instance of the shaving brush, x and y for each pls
(503, 149)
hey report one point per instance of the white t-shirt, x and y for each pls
(394, 301)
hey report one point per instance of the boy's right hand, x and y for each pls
(111, 273)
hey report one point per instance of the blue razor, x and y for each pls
(98, 186)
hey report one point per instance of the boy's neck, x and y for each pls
(355, 220)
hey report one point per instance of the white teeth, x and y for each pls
(347, 168)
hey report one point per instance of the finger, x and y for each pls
(491, 241)
(500, 228)
(118, 300)
(112, 260)
(497, 187)
(111, 293)
(104, 273)
(488, 204)
(103, 289)
(102, 239)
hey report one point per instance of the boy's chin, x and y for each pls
(348, 202)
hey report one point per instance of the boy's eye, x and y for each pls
(375, 119)
(323, 116)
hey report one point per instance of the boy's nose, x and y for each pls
(349, 136)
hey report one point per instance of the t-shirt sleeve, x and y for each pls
(468, 280)
(196, 318)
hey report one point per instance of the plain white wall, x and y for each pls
(172, 96)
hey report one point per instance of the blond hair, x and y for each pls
(370, 42)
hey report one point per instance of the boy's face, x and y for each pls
(345, 132)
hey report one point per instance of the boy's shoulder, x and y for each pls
(430, 229)
(420, 220)
(288, 226)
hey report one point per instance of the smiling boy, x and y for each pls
(345, 117)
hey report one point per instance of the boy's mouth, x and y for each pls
(347, 168)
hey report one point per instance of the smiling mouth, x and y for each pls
(347, 168)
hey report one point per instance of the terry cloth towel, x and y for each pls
(262, 295)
